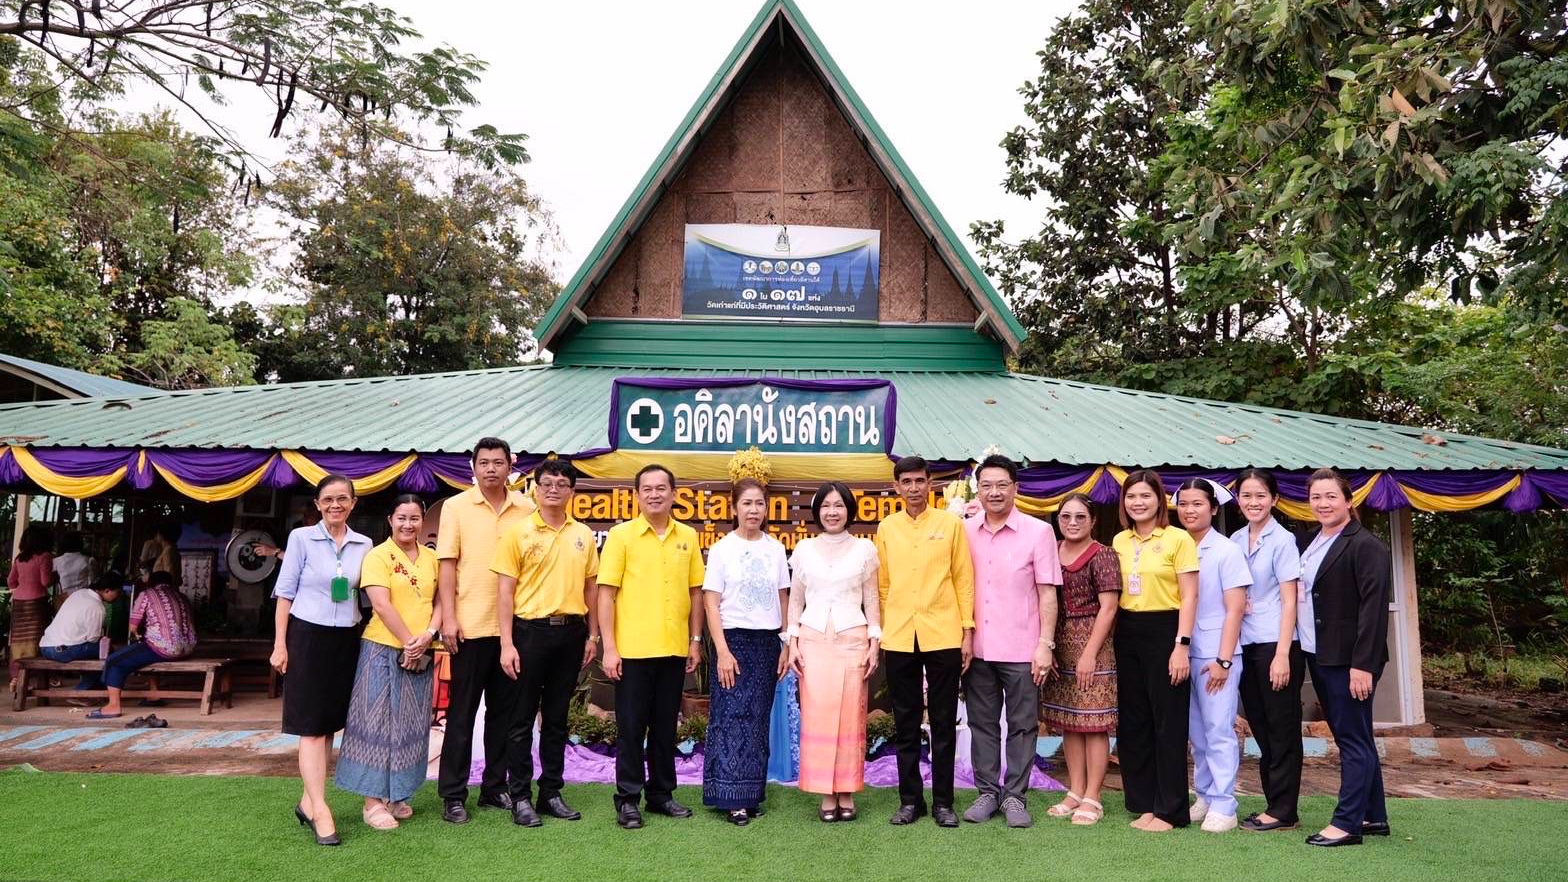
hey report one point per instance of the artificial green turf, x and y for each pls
(96, 827)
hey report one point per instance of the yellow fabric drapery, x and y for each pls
(1463, 502)
(64, 485)
(311, 473)
(217, 492)
(1044, 505)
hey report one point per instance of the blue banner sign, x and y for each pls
(752, 271)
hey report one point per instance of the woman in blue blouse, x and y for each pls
(316, 646)
(1273, 665)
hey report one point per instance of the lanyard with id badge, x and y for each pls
(1135, 579)
(340, 589)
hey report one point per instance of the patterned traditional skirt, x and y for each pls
(833, 711)
(735, 759)
(29, 618)
(386, 743)
(1069, 706)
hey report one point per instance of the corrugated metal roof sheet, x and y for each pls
(80, 382)
(546, 408)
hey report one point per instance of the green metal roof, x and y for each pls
(680, 145)
(71, 382)
(610, 343)
(953, 416)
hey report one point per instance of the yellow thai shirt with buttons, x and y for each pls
(926, 581)
(654, 576)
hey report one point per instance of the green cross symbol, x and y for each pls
(645, 420)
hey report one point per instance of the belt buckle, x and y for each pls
(557, 620)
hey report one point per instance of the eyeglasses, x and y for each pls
(555, 485)
(336, 500)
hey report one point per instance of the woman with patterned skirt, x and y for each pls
(1080, 702)
(386, 742)
(744, 597)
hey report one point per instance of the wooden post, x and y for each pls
(1405, 620)
(23, 504)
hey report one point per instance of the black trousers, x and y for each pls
(1360, 772)
(1275, 720)
(476, 671)
(1151, 731)
(940, 669)
(647, 700)
(550, 657)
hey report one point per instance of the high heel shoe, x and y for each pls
(305, 821)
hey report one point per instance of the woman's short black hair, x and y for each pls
(1198, 484)
(1262, 476)
(407, 499)
(844, 493)
(331, 479)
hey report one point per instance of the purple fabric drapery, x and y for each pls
(11, 474)
(208, 467)
(842, 384)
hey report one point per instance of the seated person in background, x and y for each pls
(162, 617)
(78, 626)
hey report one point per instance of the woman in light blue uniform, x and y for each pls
(1272, 662)
(1223, 578)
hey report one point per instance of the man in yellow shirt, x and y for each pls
(927, 586)
(472, 522)
(545, 598)
(650, 615)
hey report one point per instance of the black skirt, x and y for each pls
(320, 677)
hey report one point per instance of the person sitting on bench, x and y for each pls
(162, 616)
(78, 626)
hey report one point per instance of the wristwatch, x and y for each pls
(1224, 663)
(1183, 641)
(697, 639)
(595, 638)
(1048, 643)
(433, 631)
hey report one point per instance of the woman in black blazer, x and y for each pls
(1345, 578)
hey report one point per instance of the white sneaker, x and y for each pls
(1218, 823)
(1199, 810)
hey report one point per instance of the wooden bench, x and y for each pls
(218, 682)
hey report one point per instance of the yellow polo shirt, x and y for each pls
(926, 580)
(1166, 552)
(551, 566)
(470, 530)
(654, 577)
(412, 585)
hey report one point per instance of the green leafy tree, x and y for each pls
(190, 351)
(406, 267)
(343, 57)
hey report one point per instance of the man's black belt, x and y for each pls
(554, 621)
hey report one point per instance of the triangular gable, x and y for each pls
(992, 309)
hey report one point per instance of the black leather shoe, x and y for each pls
(455, 812)
(556, 807)
(1320, 840)
(523, 814)
(627, 815)
(1375, 828)
(739, 817)
(669, 807)
(1256, 826)
(757, 812)
(944, 816)
(907, 814)
(498, 801)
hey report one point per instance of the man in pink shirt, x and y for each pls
(1017, 575)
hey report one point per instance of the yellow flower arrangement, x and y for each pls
(750, 463)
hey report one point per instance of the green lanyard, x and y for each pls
(340, 589)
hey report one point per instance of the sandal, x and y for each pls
(156, 722)
(138, 723)
(100, 715)
(1088, 813)
(1062, 809)
(740, 817)
(379, 818)
(402, 811)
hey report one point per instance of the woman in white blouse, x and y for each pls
(835, 633)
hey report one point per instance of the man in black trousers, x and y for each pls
(471, 524)
(546, 567)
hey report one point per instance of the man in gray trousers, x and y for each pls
(1017, 575)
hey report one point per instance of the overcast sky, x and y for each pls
(600, 86)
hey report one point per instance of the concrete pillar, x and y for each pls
(1408, 707)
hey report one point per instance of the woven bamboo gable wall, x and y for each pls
(781, 152)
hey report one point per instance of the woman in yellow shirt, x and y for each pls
(386, 741)
(1159, 603)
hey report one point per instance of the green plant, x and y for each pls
(694, 728)
(589, 728)
(879, 726)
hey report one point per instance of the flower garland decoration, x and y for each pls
(750, 463)
(960, 494)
